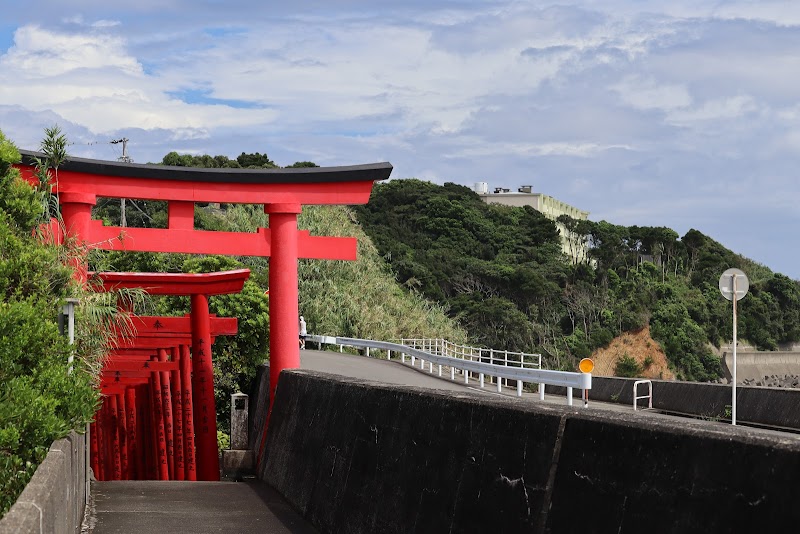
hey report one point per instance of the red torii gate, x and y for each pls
(162, 332)
(139, 369)
(282, 192)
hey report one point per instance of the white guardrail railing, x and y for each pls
(479, 354)
(466, 366)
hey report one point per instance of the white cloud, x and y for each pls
(717, 109)
(649, 94)
(639, 112)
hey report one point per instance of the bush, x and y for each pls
(40, 401)
(627, 367)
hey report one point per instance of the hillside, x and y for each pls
(500, 271)
(642, 348)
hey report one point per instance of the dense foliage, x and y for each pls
(500, 270)
(40, 401)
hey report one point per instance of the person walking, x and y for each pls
(303, 333)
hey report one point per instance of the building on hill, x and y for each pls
(573, 246)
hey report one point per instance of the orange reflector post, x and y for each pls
(586, 365)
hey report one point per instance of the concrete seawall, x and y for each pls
(55, 498)
(357, 456)
(755, 365)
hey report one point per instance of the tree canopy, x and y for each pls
(501, 272)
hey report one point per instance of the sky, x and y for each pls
(684, 114)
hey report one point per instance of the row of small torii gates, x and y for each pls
(158, 418)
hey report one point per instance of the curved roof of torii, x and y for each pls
(302, 175)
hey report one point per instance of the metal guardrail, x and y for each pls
(636, 395)
(444, 347)
(522, 375)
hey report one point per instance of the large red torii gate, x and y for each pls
(282, 192)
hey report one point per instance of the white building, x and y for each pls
(573, 246)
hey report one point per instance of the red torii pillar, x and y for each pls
(284, 349)
(198, 287)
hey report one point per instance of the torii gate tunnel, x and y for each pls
(282, 192)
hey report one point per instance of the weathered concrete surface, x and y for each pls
(755, 365)
(358, 456)
(55, 498)
(197, 507)
(766, 406)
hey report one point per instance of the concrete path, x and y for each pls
(390, 372)
(193, 507)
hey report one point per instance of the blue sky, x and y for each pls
(683, 114)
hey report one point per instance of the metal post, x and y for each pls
(541, 391)
(69, 311)
(569, 396)
(481, 379)
(733, 399)
(499, 385)
(519, 388)
(452, 373)
(440, 369)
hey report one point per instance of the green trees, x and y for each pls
(40, 401)
(500, 272)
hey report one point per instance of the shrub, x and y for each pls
(627, 367)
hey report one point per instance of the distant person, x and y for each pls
(303, 333)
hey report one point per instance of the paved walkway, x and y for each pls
(192, 507)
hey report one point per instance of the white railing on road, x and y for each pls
(475, 354)
(521, 375)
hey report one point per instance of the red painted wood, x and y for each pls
(189, 450)
(166, 398)
(205, 419)
(283, 341)
(100, 474)
(173, 327)
(133, 433)
(118, 365)
(122, 424)
(177, 417)
(116, 461)
(86, 187)
(158, 423)
(177, 284)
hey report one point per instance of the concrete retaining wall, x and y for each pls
(766, 406)
(361, 457)
(55, 498)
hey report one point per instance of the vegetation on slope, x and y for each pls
(500, 271)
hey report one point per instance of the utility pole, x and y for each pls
(125, 159)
